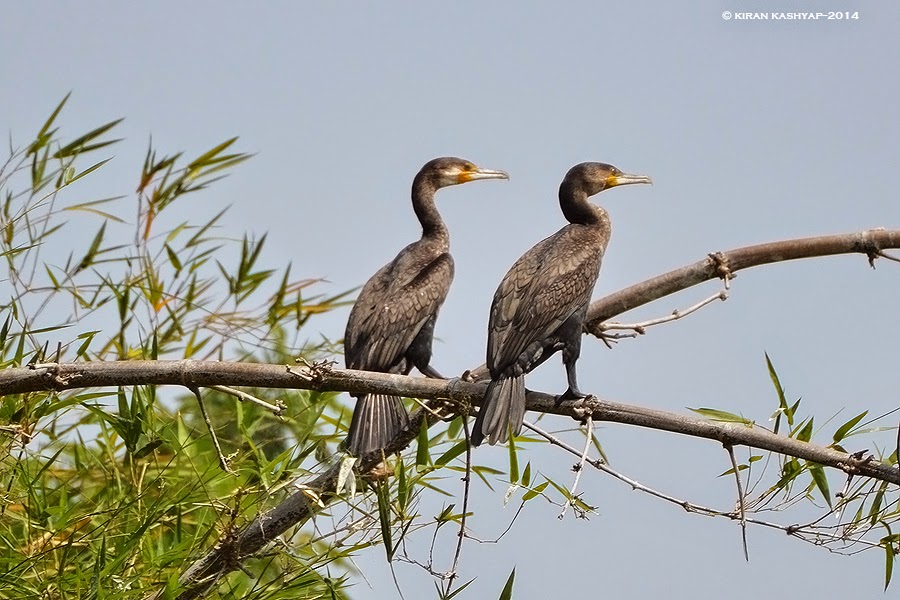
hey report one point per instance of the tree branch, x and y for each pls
(720, 264)
(62, 376)
(724, 265)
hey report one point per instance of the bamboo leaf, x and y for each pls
(204, 158)
(455, 426)
(173, 257)
(535, 491)
(513, 459)
(506, 594)
(384, 517)
(92, 250)
(402, 485)
(875, 510)
(44, 134)
(805, 433)
(453, 452)
(455, 592)
(844, 429)
(888, 564)
(890, 555)
(779, 390)
(79, 143)
(88, 171)
(4, 331)
(83, 348)
(422, 456)
(821, 481)
(731, 471)
(720, 415)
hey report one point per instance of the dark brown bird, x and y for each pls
(391, 325)
(541, 303)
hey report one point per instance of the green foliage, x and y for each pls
(859, 507)
(111, 493)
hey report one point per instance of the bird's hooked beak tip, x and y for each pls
(626, 179)
(478, 173)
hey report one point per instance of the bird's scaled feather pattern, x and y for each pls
(530, 320)
(390, 331)
(545, 287)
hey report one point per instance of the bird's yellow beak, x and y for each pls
(626, 179)
(476, 173)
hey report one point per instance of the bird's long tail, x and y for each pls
(377, 419)
(503, 409)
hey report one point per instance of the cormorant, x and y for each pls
(541, 303)
(391, 325)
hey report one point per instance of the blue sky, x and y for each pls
(752, 131)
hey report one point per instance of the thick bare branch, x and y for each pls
(62, 376)
(720, 264)
(724, 265)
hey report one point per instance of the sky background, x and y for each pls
(752, 131)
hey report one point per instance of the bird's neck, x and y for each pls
(423, 204)
(578, 209)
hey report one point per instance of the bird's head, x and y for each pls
(594, 177)
(446, 171)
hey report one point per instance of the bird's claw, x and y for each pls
(571, 394)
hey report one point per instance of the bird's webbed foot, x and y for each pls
(573, 393)
(428, 371)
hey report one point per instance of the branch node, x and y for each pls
(723, 269)
(51, 372)
(868, 246)
(872, 255)
(583, 410)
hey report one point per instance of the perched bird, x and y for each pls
(391, 325)
(541, 303)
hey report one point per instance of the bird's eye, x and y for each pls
(469, 167)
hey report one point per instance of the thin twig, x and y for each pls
(222, 460)
(613, 338)
(467, 480)
(676, 314)
(887, 256)
(396, 581)
(505, 531)
(579, 466)
(594, 462)
(792, 530)
(740, 491)
(245, 397)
